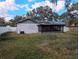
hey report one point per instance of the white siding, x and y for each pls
(3, 30)
(7, 29)
(66, 29)
(27, 27)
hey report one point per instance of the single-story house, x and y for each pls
(30, 26)
(6, 28)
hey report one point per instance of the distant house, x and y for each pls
(30, 26)
(6, 28)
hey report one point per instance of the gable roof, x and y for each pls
(26, 20)
(1, 25)
(54, 22)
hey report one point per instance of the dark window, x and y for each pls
(21, 32)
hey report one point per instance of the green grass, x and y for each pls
(39, 46)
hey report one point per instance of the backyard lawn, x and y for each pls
(39, 46)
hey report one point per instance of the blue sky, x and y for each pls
(11, 8)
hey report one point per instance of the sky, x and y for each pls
(11, 8)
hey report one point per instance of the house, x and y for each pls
(30, 26)
(27, 26)
(7, 28)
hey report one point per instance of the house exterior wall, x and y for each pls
(27, 27)
(4, 29)
(66, 29)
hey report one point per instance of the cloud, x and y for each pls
(29, 0)
(60, 5)
(7, 5)
(3, 13)
(8, 18)
(43, 3)
(10, 5)
(24, 6)
(56, 8)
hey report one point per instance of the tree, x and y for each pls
(42, 13)
(12, 22)
(70, 18)
(17, 18)
(2, 21)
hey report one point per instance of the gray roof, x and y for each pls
(53, 22)
(3, 25)
(22, 21)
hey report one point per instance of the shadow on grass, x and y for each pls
(6, 36)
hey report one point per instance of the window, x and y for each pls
(21, 32)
